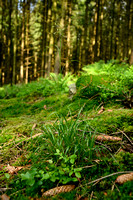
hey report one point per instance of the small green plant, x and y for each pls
(66, 137)
(61, 169)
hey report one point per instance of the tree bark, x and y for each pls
(22, 44)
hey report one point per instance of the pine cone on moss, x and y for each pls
(58, 190)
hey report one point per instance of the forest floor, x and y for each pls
(24, 148)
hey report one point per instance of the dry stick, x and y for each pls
(96, 141)
(104, 145)
(99, 179)
(126, 136)
(34, 136)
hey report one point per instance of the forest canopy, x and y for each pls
(38, 37)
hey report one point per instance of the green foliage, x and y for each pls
(61, 169)
(44, 87)
(109, 122)
(66, 151)
(107, 81)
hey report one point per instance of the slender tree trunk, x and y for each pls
(51, 42)
(131, 35)
(10, 50)
(15, 43)
(80, 52)
(101, 30)
(1, 42)
(57, 66)
(68, 37)
(27, 41)
(117, 31)
(84, 52)
(35, 64)
(127, 31)
(112, 30)
(43, 38)
(96, 30)
(22, 45)
(48, 31)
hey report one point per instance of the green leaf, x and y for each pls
(57, 151)
(77, 169)
(40, 182)
(54, 178)
(7, 175)
(31, 182)
(45, 176)
(50, 161)
(66, 180)
(74, 179)
(26, 176)
(61, 172)
(70, 173)
(73, 158)
(77, 174)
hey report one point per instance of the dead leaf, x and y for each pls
(124, 178)
(101, 110)
(5, 197)
(58, 190)
(107, 138)
(12, 170)
(105, 193)
(34, 126)
(109, 110)
(45, 107)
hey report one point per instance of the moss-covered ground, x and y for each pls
(22, 118)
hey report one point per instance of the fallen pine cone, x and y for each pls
(124, 178)
(58, 190)
(107, 138)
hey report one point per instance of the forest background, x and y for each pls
(38, 37)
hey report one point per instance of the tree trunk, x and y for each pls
(96, 30)
(112, 30)
(44, 35)
(51, 42)
(57, 66)
(68, 38)
(131, 36)
(15, 43)
(85, 46)
(22, 45)
(27, 41)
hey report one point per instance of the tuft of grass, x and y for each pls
(65, 136)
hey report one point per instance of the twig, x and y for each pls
(87, 166)
(126, 136)
(103, 145)
(99, 179)
(34, 136)
(4, 189)
(91, 195)
(17, 191)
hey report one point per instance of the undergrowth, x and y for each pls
(53, 137)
